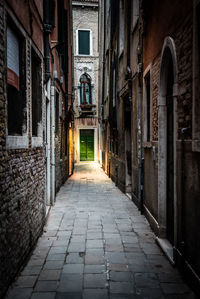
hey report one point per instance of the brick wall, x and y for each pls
(155, 83)
(183, 42)
(22, 186)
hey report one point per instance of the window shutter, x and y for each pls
(84, 42)
(12, 59)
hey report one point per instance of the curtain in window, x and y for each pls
(12, 58)
(85, 89)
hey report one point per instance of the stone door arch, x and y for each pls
(167, 140)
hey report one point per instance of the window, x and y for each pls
(36, 80)
(84, 42)
(16, 84)
(148, 106)
(135, 13)
(121, 32)
(85, 89)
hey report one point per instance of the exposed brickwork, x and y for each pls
(183, 42)
(22, 184)
(2, 78)
(155, 82)
(61, 159)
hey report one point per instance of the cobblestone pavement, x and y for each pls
(96, 245)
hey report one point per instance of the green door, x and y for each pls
(87, 145)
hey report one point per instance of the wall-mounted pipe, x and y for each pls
(140, 156)
(53, 151)
(47, 30)
(183, 132)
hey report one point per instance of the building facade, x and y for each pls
(35, 116)
(150, 117)
(86, 64)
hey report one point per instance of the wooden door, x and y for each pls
(86, 145)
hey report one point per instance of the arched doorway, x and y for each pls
(167, 142)
(170, 153)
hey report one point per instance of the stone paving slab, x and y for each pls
(97, 245)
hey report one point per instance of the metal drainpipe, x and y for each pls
(140, 157)
(140, 160)
(53, 167)
(47, 30)
(183, 131)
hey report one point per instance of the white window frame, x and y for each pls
(36, 141)
(91, 42)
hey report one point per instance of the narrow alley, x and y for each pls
(96, 244)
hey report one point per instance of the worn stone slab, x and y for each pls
(146, 280)
(25, 281)
(120, 276)
(121, 287)
(70, 283)
(53, 265)
(47, 295)
(19, 293)
(116, 257)
(58, 249)
(174, 288)
(94, 259)
(94, 269)
(69, 295)
(56, 257)
(95, 281)
(46, 286)
(118, 267)
(97, 294)
(94, 244)
(150, 293)
(32, 270)
(49, 275)
(75, 258)
(114, 248)
(76, 247)
(73, 269)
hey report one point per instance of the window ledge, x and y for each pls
(87, 106)
(147, 144)
(86, 56)
(16, 142)
(37, 141)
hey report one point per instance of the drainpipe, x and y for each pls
(183, 131)
(47, 30)
(140, 157)
(53, 168)
(53, 152)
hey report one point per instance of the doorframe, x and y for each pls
(169, 45)
(128, 178)
(78, 142)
